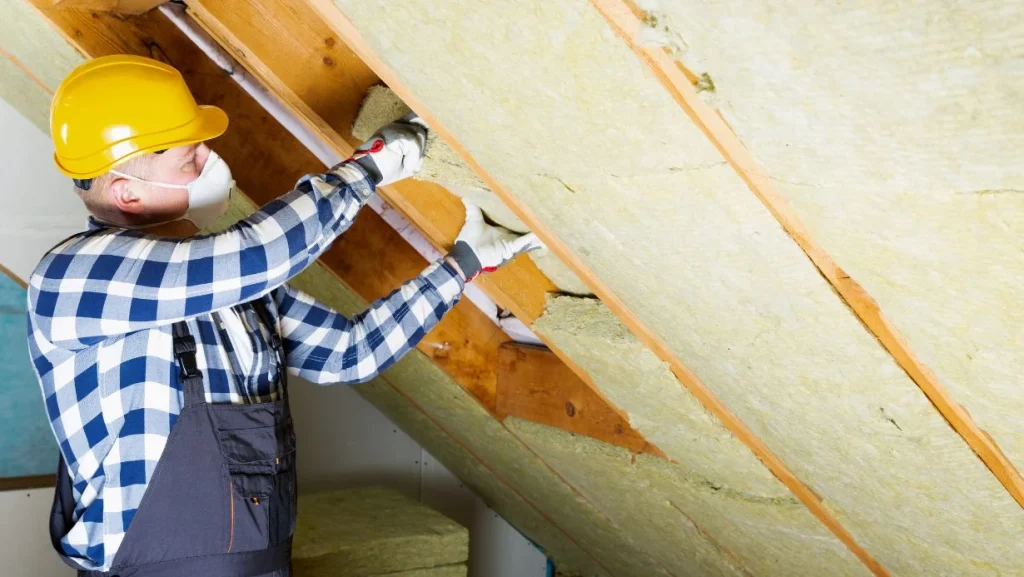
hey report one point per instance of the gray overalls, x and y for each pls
(222, 499)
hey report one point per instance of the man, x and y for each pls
(163, 354)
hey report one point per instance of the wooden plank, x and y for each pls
(117, 6)
(345, 30)
(297, 56)
(626, 18)
(35, 482)
(534, 385)
(294, 53)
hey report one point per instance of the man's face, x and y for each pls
(178, 165)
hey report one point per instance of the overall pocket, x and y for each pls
(260, 465)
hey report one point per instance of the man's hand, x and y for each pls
(481, 247)
(395, 151)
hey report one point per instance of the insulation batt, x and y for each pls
(652, 208)
(715, 482)
(441, 165)
(373, 531)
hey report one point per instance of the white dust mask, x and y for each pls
(208, 195)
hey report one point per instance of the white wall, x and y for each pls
(25, 549)
(39, 207)
(343, 440)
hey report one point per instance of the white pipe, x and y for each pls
(325, 153)
(177, 14)
(518, 331)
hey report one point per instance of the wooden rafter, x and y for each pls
(627, 20)
(116, 6)
(34, 482)
(534, 385)
(347, 31)
(296, 55)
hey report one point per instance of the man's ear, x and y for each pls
(124, 197)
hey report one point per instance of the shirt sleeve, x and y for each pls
(116, 281)
(325, 347)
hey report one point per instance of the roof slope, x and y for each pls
(743, 354)
(548, 100)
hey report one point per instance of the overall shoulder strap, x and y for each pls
(260, 306)
(185, 355)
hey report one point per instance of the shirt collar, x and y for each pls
(97, 224)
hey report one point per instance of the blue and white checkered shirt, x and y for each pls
(101, 308)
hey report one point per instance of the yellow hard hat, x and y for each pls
(114, 108)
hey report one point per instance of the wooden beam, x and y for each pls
(297, 56)
(534, 385)
(116, 6)
(36, 482)
(347, 31)
(627, 20)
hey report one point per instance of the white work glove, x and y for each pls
(395, 151)
(481, 247)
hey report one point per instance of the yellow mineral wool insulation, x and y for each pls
(574, 533)
(768, 537)
(34, 58)
(894, 131)
(449, 571)
(373, 531)
(29, 38)
(20, 91)
(612, 165)
(759, 519)
(442, 166)
(615, 546)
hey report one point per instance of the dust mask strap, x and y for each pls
(208, 195)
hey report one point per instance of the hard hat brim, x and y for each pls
(209, 123)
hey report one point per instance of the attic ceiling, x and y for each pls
(801, 224)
